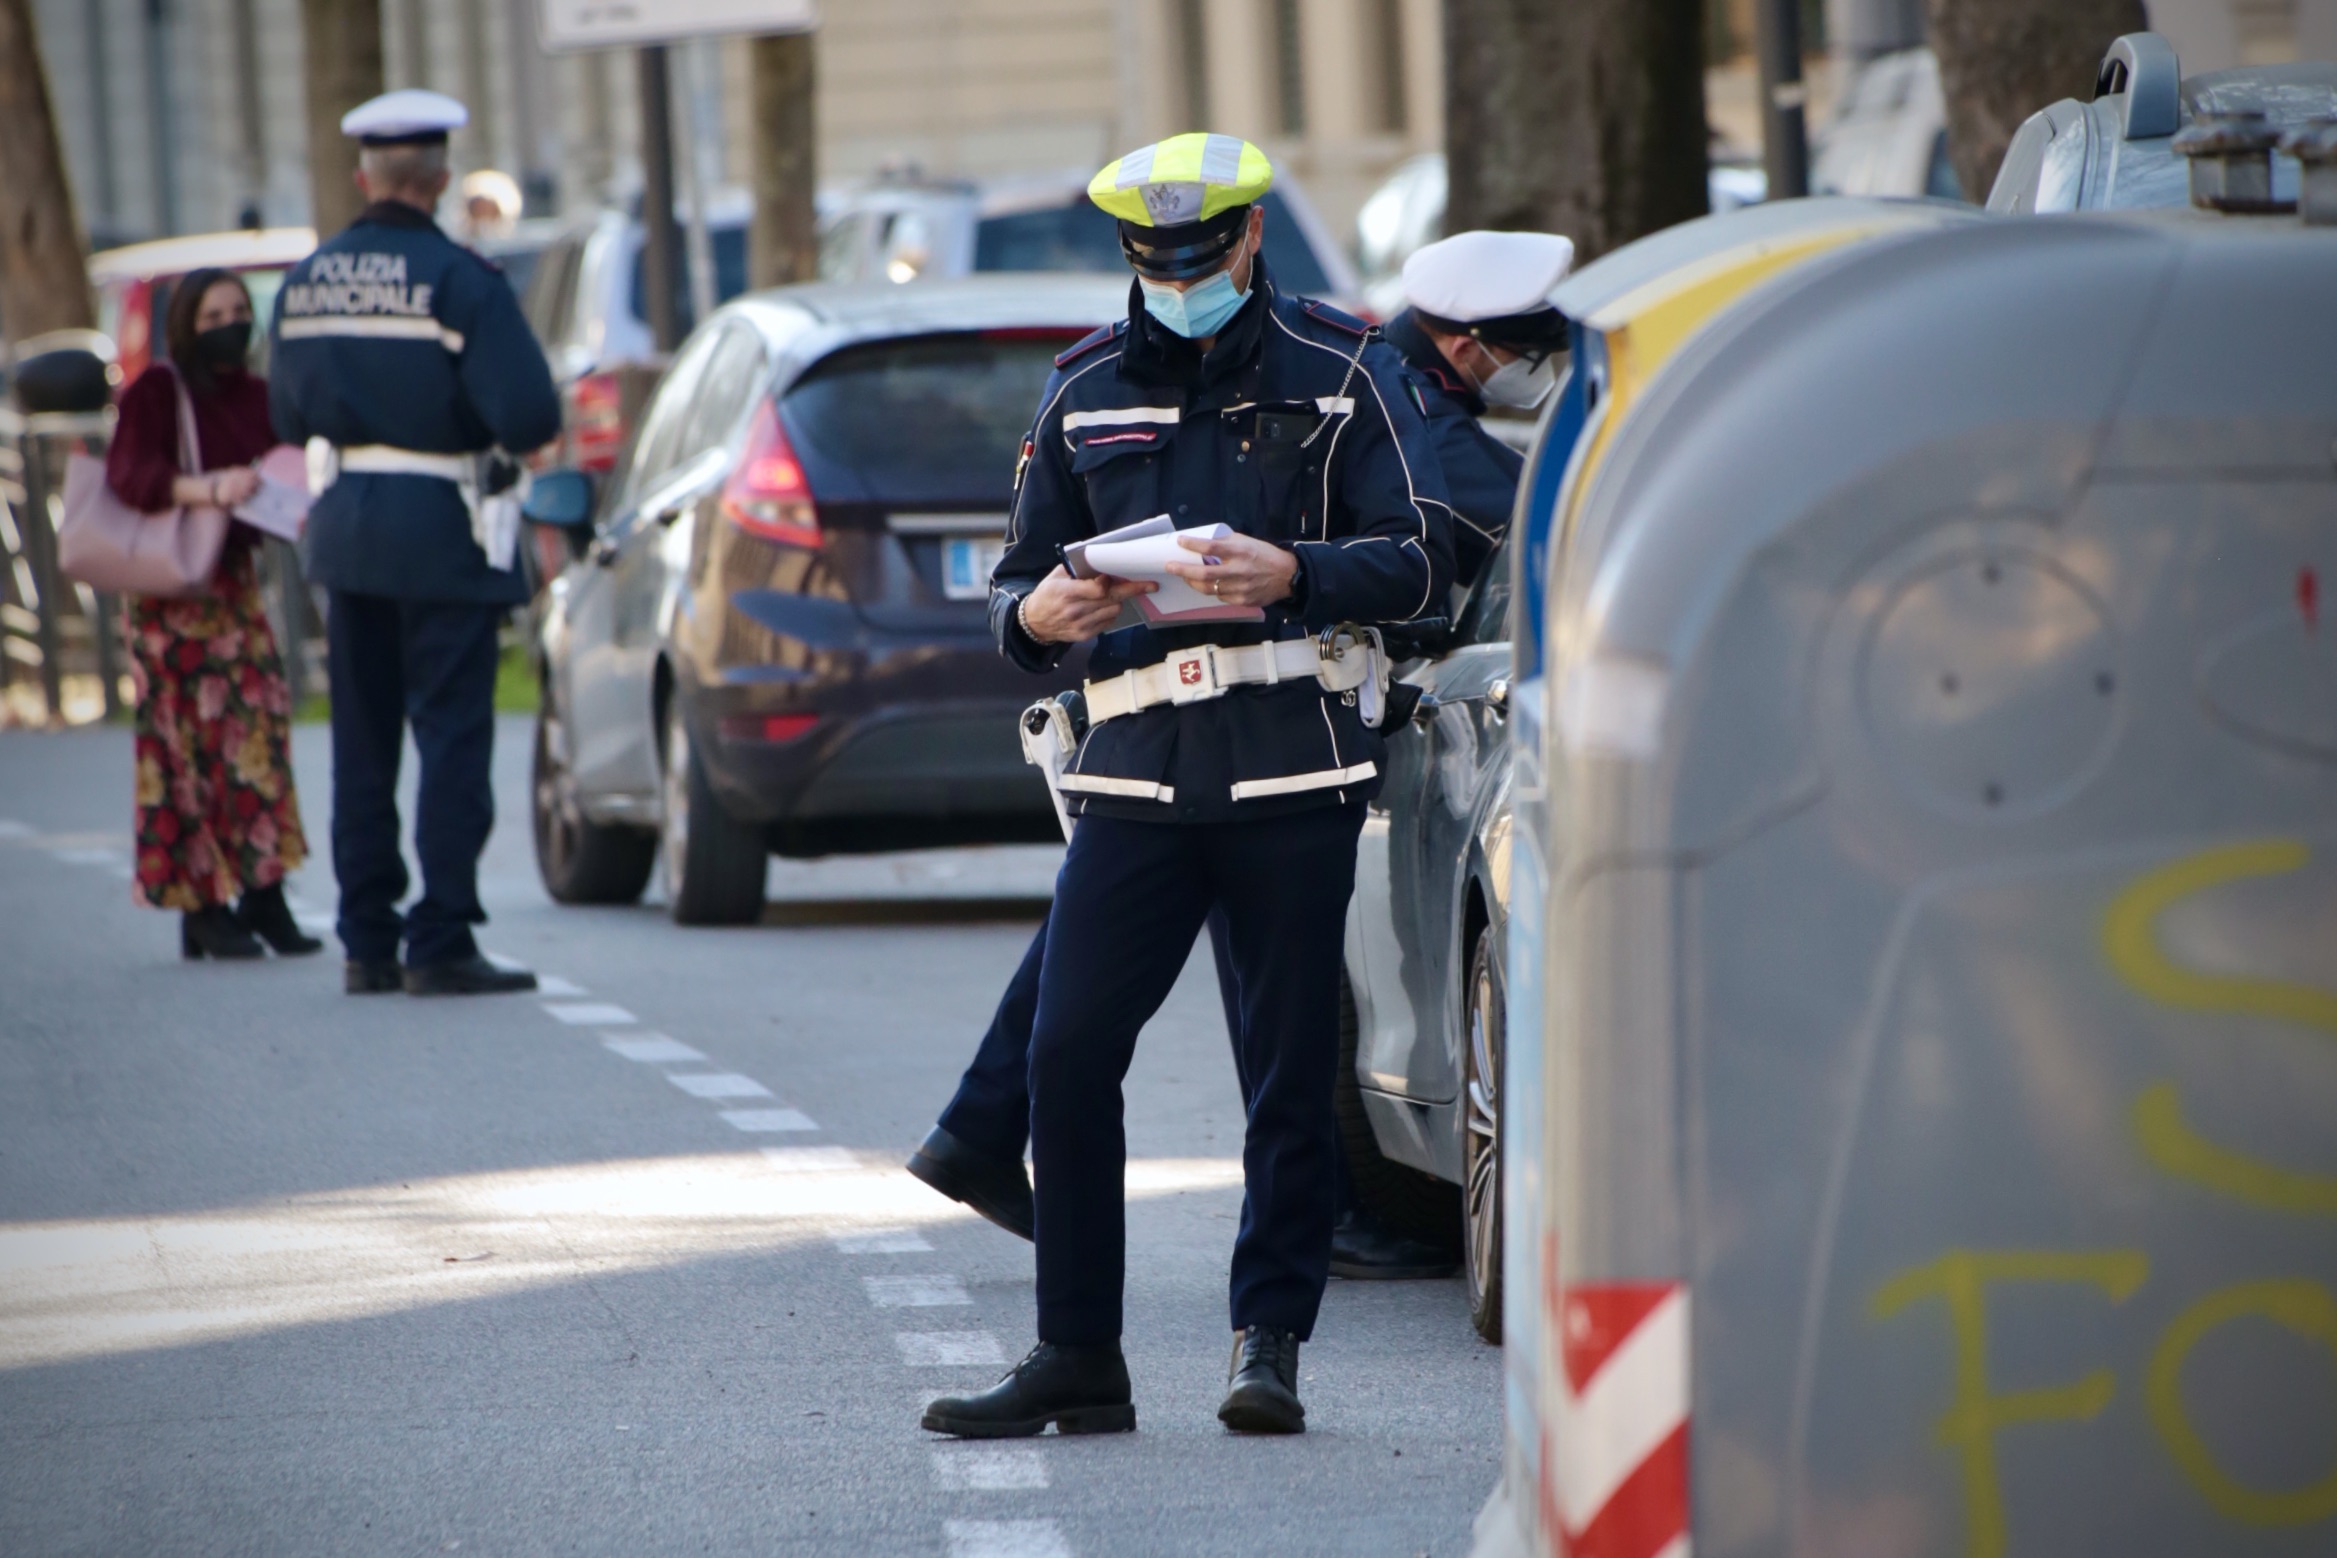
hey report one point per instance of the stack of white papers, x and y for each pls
(1143, 551)
(280, 507)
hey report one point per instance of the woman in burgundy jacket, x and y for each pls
(218, 824)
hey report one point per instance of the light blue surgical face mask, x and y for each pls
(1202, 311)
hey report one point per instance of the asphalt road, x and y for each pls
(626, 1267)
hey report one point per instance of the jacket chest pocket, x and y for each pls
(1286, 456)
(1120, 467)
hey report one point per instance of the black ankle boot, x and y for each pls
(266, 915)
(1081, 1390)
(1263, 1381)
(216, 933)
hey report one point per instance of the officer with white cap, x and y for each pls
(1227, 760)
(400, 358)
(1479, 330)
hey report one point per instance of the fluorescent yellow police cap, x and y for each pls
(1181, 203)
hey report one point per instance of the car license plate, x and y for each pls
(966, 562)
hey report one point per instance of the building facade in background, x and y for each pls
(186, 115)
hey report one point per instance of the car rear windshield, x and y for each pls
(1080, 237)
(730, 275)
(924, 419)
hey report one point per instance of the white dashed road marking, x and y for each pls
(585, 1014)
(948, 1349)
(810, 1160)
(915, 1292)
(553, 984)
(1005, 1539)
(651, 1049)
(986, 1469)
(883, 1241)
(10, 828)
(717, 1084)
(769, 1120)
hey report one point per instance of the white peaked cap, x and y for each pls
(410, 113)
(1484, 275)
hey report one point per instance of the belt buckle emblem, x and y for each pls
(1196, 674)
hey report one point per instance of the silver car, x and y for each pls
(1420, 1080)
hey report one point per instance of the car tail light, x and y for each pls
(767, 495)
(768, 727)
(596, 421)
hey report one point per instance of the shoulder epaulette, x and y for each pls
(1090, 342)
(1337, 319)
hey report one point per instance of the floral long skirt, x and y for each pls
(217, 815)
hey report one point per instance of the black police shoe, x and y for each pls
(997, 1188)
(473, 975)
(1365, 1250)
(1081, 1390)
(1262, 1394)
(362, 976)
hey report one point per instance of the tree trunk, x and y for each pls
(784, 245)
(343, 39)
(2002, 60)
(1582, 117)
(44, 271)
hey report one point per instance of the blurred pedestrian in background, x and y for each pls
(402, 362)
(491, 204)
(218, 822)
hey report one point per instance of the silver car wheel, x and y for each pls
(674, 825)
(1481, 1144)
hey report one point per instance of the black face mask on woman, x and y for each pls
(225, 346)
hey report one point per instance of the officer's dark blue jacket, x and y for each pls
(1297, 428)
(393, 333)
(1480, 471)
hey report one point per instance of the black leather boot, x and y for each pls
(215, 932)
(266, 915)
(1081, 1390)
(995, 1187)
(365, 976)
(1365, 1250)
(473, 975)
(1262, 1397)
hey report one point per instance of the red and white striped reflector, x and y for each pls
(1620, 1460)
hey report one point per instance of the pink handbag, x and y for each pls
(108, 545)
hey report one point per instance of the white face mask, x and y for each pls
(1520, 384)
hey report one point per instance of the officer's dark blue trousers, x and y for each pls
(431, 663)
(1130, 900)
(991, 1111)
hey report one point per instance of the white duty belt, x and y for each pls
(494, 517)
(1340, 659)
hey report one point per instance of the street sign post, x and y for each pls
(567, 26)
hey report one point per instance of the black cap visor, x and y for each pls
(409, 138)
(1186, 250)
(1536, 334)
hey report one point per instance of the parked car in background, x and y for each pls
(2118, 150)
(774, 634)
(1406, 212)
(133, 284)
(904, 229)
(587, 300)
(1421, 1021)
(1888, 133)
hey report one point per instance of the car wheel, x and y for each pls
(714, 865)
(1400, 1196)
(1483, 1014)
(580, 860)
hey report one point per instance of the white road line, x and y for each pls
(717, 1084)
(309, 921)
(650, 1049)
(123, 871)
(553, 984)
(883, 1241)
(915, 1292)
(989, 1469)
(810, 1160)
(584, 1014)
(769, 1120)
(1005, 1539)
(10, 828)
(86, 857)
(948, 1349)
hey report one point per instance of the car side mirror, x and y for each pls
(561, 500)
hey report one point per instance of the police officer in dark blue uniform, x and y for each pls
(1478, 309)
(399, 358)
(1226, 763)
